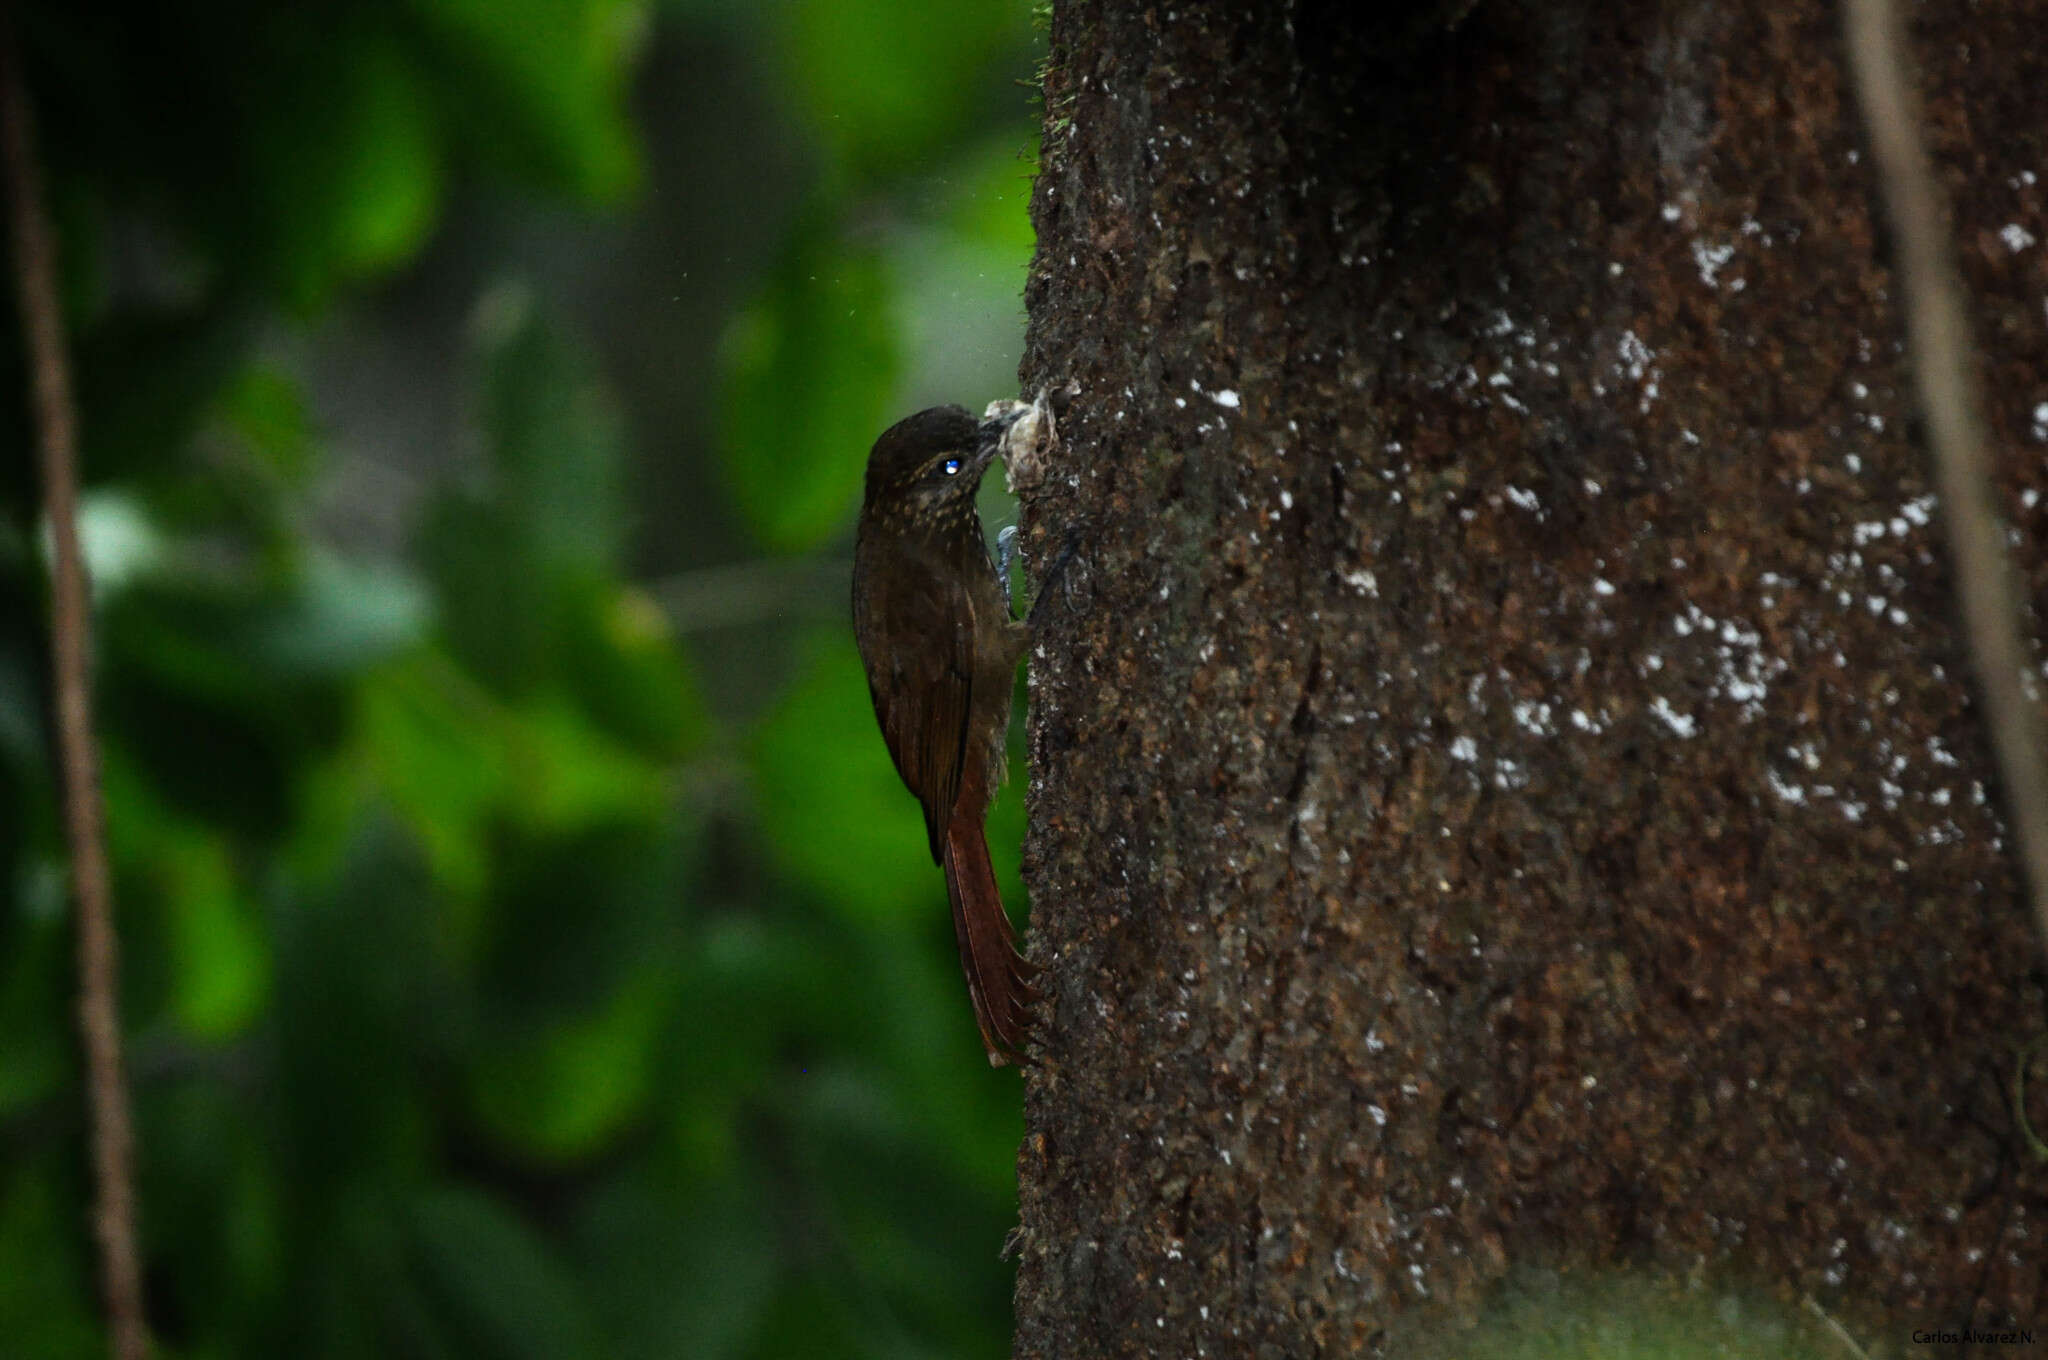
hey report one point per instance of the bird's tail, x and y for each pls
(998, 977)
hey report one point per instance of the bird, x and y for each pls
(932, 620)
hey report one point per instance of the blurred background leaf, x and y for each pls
(815, 354)
(530, 951)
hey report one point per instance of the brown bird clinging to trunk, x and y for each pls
(932, 617)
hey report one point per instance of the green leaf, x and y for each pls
(630, 674)
(579, 979)
(910, 1230)
(367, 1296)
(219, 956)
(456, 762)
(554, 434)
(961, 268)
(216, 1204)
(497, 610)
(266, 411)
(497, 1279)
(750, 984)
(44, 1263)
(569, 1090)
(432, 743)
(989, 203)
(353, 181)
(541, 85)
(147, 378)
(577, 915)
(883, 83)
(810, 373)
(21, 703)
(364, 1006)
(842, 821)
(567, 775)
(342, 617)
(817, 1314)
(217, 732)
(36, 1039)
(519, 561)
(681, 1270)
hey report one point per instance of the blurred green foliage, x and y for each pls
(807, 353)
(496, 988)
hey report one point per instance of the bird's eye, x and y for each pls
(951, 466)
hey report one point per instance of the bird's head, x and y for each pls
(928, 466)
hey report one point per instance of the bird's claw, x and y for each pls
(1006, 553)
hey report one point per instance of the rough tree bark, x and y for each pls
(1506, 790)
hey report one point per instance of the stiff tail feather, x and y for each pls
(998, 977)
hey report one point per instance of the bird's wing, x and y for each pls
(924, 693)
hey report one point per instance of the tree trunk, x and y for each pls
(1505, 791)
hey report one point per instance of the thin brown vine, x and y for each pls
(56, 431)
(1945, 371)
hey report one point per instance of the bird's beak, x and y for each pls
(989, 436)
(988, 448)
